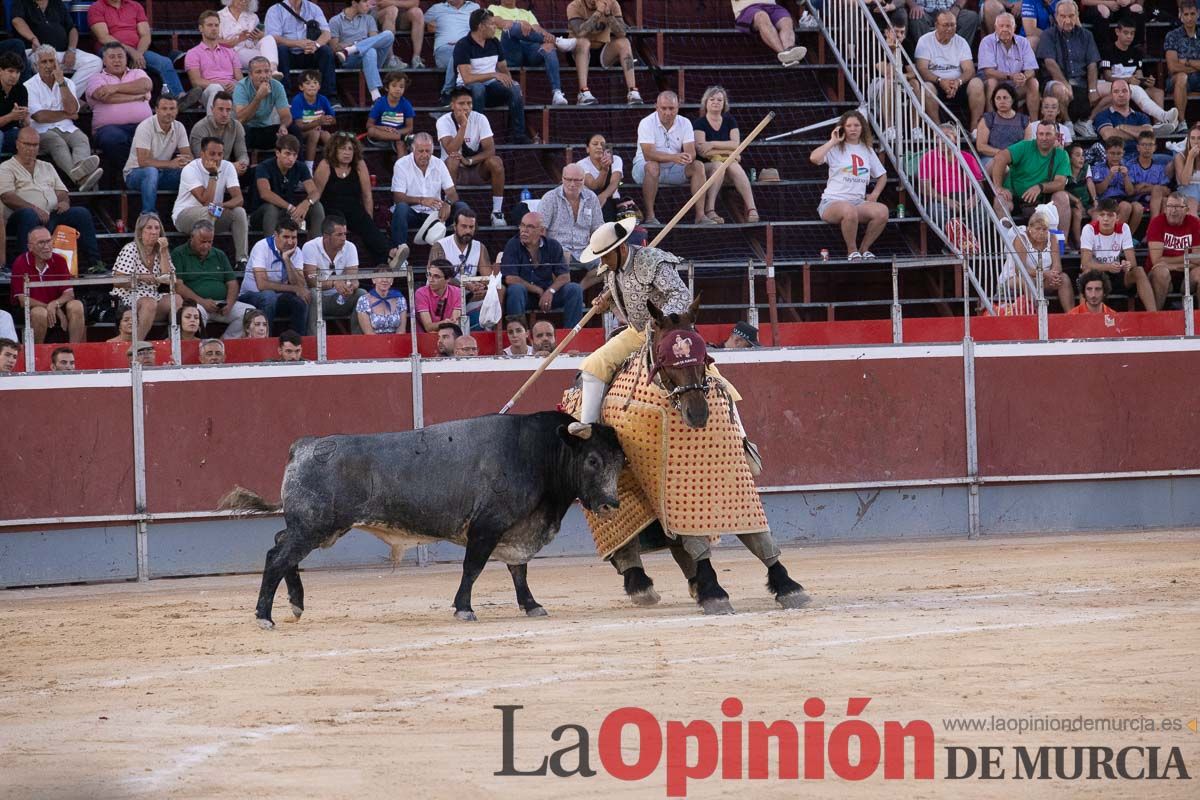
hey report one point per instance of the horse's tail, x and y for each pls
(247, 503)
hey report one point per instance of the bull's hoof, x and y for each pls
(716, 606)
(797, 599)
(536, 611)
(646, 597)
(265, 624)
(465, 616)
(297, 611)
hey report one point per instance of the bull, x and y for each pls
(497, 486)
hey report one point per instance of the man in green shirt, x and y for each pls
(1031, 170)
(203, 274)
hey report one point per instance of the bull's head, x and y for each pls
(597, 461)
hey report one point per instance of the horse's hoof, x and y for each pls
(265, 624)
(465, 616)
(797, 599)
(693, 589)
(646, 597)
(297, 610)
(716, 606)
(536, 611)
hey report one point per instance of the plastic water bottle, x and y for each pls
(754, 175)
(900, 209)
(526, 194)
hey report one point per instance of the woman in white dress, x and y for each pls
(148, 256)
(1035, 247)
(240, 31)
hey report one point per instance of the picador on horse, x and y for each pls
(690, 473)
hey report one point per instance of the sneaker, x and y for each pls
(498, 220)
(393, 62)
(651, 222)
(634, 98)
(84, 168)
(586, 98)
(1084, 130)
(565, 44)
(341, 57)
(1172, 116)
(191, 98)
(807, 22)
(559, 98)
(1177, 147)
(792, 55)
(398, 257)
(416, 63)
(90, 181)
(1162, 129)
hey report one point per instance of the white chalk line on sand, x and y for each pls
(196, 754)
(692, 620)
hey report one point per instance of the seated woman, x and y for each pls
(241, 31)
(124, 326)
(1002, 127)
(438, 300)
(1187, 170)
(1034, 247)
(255, 325)
(845, 202)
(345, 185)
(717, 136)
(148, 256)
(188, 320)
(602, 173)
(382, 310)
(1049, 110)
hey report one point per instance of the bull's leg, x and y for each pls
(711, 598)
(627, 560)
(788, 593)
(480, 545)
(294, 586)
(281, 559)
(525, 599)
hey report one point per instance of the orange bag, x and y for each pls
(66, 244)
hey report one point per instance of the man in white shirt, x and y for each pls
(666, 154)
(159, 153)
(53, 109)
(468, 144)
(208, 189)
(274, 281)
(419, 183)
(329, 255)
(944, 61)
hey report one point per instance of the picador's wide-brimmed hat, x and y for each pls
(608, 237)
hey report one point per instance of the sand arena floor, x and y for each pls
(169, 689)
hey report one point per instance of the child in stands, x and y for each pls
(312, 116)
(390, 119)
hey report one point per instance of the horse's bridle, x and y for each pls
(674, 393)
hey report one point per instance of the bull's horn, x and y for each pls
(580, 429)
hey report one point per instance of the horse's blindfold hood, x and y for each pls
(680, 349)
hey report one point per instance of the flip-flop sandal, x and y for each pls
(715, 217)
(752, 215)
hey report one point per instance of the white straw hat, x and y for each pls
(608, 237)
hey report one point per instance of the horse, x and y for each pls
(688, 388)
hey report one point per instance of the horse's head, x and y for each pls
(680, 357)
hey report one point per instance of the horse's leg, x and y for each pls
(525, 599)
(686, 565)
(709, 594)
(788, 593)
(627, 560)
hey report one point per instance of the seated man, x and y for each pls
(1093, 289)
(468, 148)
(1005, 57)
(518, 338)
(666, 154)
(572, 213)
(1120, 121)
(143, 353)
(285, 186)
(449, 21)
(355, 38)
(288, 21)
(447, 335)
(291, 347)
(261, 105)
(1071, 62)
(325, 256)
(1182, 47)
(544, 340)
(125, 21)
(212, 351)
(62, 359)
(1151, 184)
(1036, 17)
(221, 123)
(744, 335)
(1169, 237)
(49, 306)
(419, 182)
(1121, 58)
(774, 26)
(1032, 162)
(599, 29)
(211, 66)
(120, 100)
(14, 101)
(40, 22)
(944, 62)
(209, 189)
(402, 15)
(1106, 245)
(33, 195)
(525, 43)
(53, 109)
(466, 346)
(535, 265)
(922, 18)
(468, 256)
(483, 71)
(274, 279)
(9, 350)
(159, 153)
(204, 276)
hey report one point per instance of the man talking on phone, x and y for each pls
(203, 274)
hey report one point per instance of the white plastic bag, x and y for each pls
(490, 313)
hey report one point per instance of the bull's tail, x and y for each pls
(247, 503)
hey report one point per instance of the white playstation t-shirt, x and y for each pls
(851, 168)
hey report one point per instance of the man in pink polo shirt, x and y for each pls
(120, 99)
(125, 21)
(211, 66)
(49, 306)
